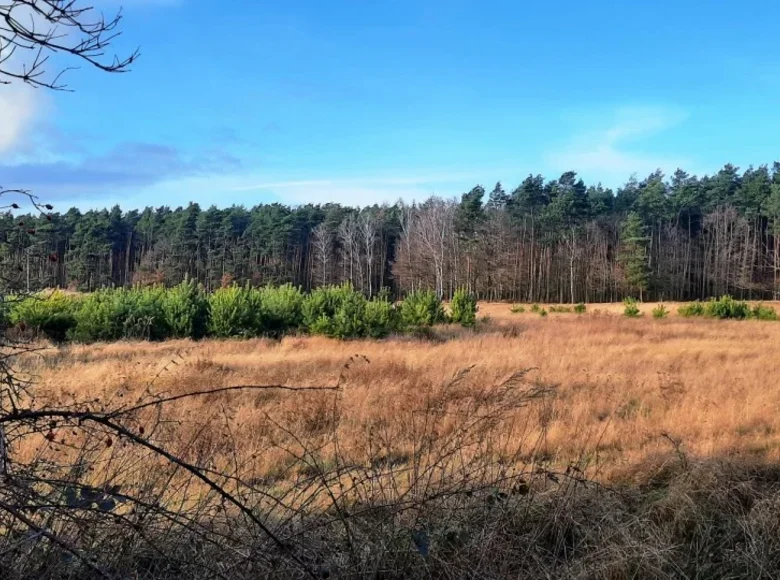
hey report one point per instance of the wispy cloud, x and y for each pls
(614, 152)
(128, 165)
(249, 188)
(365, 190)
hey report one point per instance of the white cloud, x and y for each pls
(19, 105)
(611, 154)
(637, 122)
(253, 188)
(362, 191)
(349, 193)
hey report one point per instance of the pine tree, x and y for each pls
(633, 255)
(498, 198)
(469, 216)
(470, 212)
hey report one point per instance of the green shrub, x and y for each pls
(318, 305)
(542, 312)
(235, 311)
(323, 303)
(535, 308)
(349, 318)
(580, 308)
(144, 313)
(100, 317)
(186, 310)
(660, 311)
(631, 308)
(51, 316)
(691, 309)
(340, 312)
(762, 312)
(116, 314)
(321, 325)
(463, 308)
(560, 309)
(518, 309)
(422, 308)
(93, 320)
(385, 295)
(380, 318)
(282, 309)
(726, 307)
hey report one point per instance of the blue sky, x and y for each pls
(360, 102)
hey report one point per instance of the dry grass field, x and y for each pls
(649, 446)
(621, 387)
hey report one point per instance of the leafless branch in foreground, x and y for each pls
(34, 31)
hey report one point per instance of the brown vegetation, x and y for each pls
(619, 385)
(576, 446)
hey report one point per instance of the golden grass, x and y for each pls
(623, 387)
(479, 465)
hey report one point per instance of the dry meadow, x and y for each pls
(621, 390)
(566, 446)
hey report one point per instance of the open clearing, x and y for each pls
(565, 446)
(623, 389)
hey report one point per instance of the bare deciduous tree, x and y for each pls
(368, 227)
(434, 228)
(348, 237)
(322, 240)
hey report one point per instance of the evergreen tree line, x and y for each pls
(677, 238)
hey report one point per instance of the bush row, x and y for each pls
(726, 308)
(187, 311)
(579, 308)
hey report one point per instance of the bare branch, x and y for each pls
(107, 421)
(31, 31)
(51, 537)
